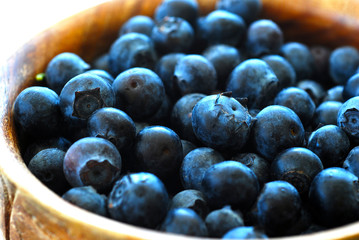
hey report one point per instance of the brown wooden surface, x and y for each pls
(27, 209)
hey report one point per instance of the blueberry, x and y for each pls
(343, 63)
(224, 59)
(194, 74)
(330, 189)
(334, 94)
(184, 221)
(87, 198)
(92, 161)
(326, 113)
(83, 95)
(351, 162)
(321, 55)
(282, 69)
(230, 183)
(245, 232)
(181, 116)
(165, 68)
(249, 10)
(299, 101)
(158, 150)
(330, 143)
(351, 87)
(102, 62)
(193, 199)
(47, 166)
(263, 37)
(276, 129)
(314, 89)
(186, 9)
(187, 147)
(131, 50)
(163, 115)
(348, 118)
(195, 164)
(62, 68)
(221, 27)
(220, 221)
(172, 34)
(279, 207)
(140, 199)
(298, 166)
(139, 92)
(300, 57)
(255, 80)
(139, 23)
(37, 113)
(256, 163)
(221, 122)
(114, 125)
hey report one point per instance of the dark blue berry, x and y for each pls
(140, 199)
(326, 113)
(230, 183)
(255, 80)
(334, 94)
(351, 87)
(87, 198)
(193, 199)
(249, 10)
(343, 63)
(92, 161)
(314, 89)
(62, 68)
(186, 9)
(351, 162)
(139, 23)
(102, 73)
(221, 122)
(348, 118)
(245, 232)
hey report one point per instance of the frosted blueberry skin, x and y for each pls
(194, 74)
(102, 73)
(47, 166)
(181, 116)
(343, 63)
(37, 113)
(334, 94)
(221, 122)
(245, 232)
(249, 10)
(62, 68)
(184, 221)
(282, 69)
(131, 50)
(140, 199)
(230, 183)
(348, 118)
(326, 113)
(87, 198)
(279, 207)
(351, 162)
(220, 221)
(300, 57)
(221, 27)
(193, 199)
(329, 189)
(299, 101)
(139, 92)
(224, 59)
(195, 164)
(255, 80)
(263, 37)
(158, 150)
(276, 128)
(298, 166)
(314, 89)
(139, 23)
(330, 143)
(351, 87)
(114, 125)
(186, 9)
(92, 161)
(172, 34)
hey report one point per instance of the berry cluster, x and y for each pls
(210, 126)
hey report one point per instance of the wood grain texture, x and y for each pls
(29, 210)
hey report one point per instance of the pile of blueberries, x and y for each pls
(203, 125)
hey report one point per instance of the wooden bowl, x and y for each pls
(28, 210)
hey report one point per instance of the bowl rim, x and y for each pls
(11, 169)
